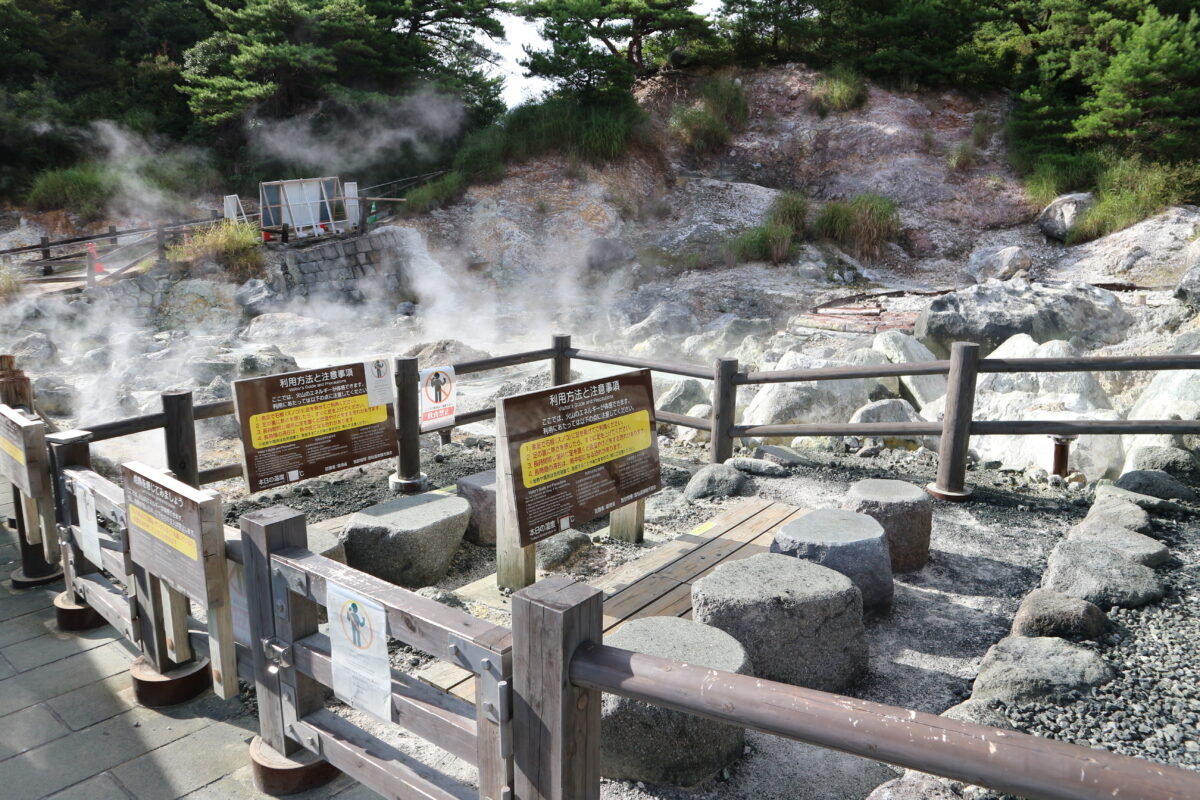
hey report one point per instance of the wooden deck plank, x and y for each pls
(686, 568)
(759, 544)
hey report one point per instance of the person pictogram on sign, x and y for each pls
(437, 380)
(358, 623)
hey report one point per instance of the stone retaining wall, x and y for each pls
(334, 268)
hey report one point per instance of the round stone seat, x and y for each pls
(853, 544)
(906, 513)
(800, 623)
(645, 742)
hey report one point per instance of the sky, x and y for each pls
(518, 33)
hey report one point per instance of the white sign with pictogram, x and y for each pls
(362, 676)
(380, 382)
(439, 390)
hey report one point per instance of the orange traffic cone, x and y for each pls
(92, 249)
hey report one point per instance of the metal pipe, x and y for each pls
(1062, 454)
(951, 482)
(1017, 763)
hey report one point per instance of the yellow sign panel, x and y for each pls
(162, 531)
(566, 453)
(17, 453)
(318, 419)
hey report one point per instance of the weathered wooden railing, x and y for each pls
(285, 586)
(561, 667)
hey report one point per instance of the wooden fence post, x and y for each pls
(724, 409)
(363, 216)
(408, 478)
(70, 449)
(278, 618)
(951, 481)
(284, 233)
(556, 726)
(45, 244)
(91, 269)
(179, 433)
(560, 370)
(160, 246)
(112, 235)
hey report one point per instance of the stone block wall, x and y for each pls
(335, 268)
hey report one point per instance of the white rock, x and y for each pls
(1060, 217)
(895, 410)
(805, 402)
(1000, 263)
(900, 348)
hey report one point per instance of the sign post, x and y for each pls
(177, 536)
(309, 423)
(567, 455)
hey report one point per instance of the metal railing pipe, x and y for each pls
(843, 373)
(683, 420)
(1090, 364)
(1017, 763)
(840, 429)
(1074, 427)
(125, 427)
(496, 362)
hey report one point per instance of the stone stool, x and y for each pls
(800, 623)
(479, 490)
(644, 742)
(906, 513)
(409, 540)
(853, 544)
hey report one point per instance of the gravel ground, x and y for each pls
(1152, 709)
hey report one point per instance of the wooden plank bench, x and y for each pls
(660, 584)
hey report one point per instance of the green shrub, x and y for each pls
(10, 283)
(981, 129)
(434, 194)
(722, 111)
(779, 241)
(726, 100)
(840, 89)
(962, 156)
(789, 209)
(84, 190)
(1052, 174)
(700, 130)
(769, 242)
(861, 225)
(235, 246)
(1129, 189)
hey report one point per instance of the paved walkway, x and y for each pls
(70, 730)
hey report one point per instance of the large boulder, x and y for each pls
(666, 319)
(561, 548)
(1156, 483)
(991, 312)
(1058, 219)
(409, 540)
(684, 395)
(1047, 613)
(282, 326)
(1188, 290)
(895, 410)
(1171, 394)
(807, 401)
(877, 388)
(1175, 461)
(255, 296)
(1100, 575)
(54, 396)
(646, 742)
(199, 304)
(714, 480)
(479, 490)
(34, 351)
(999, 263)
(1019, 669)
(1087, 391)
(1136, 547)
(800, 623)
(441, 352)
(724, 336)
(900, 348)
(269, 360)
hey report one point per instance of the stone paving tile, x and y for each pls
(95, 702)
(27, 600)
(28, 728)
(27, 626)
(54, 646)
(101, 787)
(7, 670)
(240, 785)
(27, 688)
(77, 757)
(189, 763)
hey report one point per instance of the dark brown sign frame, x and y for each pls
(309, 423)
(22, 451)
(578, 451)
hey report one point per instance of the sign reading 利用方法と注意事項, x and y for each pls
(579, 451)
(309, 423)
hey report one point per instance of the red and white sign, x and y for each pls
(439, 389)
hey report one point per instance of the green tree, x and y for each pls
(1148, 95)
(598, 46)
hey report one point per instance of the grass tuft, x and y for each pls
(790, 209)
(962, 156)
(10, 283)
(840, 89)
(83, 190)
(1129, 190)
(235, 246)
(723, 110)
(434, 194)
(861, 226)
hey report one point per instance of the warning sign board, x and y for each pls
(439, 390)
(22, 448)
(362, 675)
(579, 451)
(166, 520)
(310, 423)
